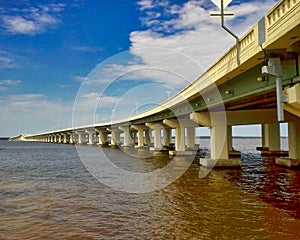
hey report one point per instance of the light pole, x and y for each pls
(168, 92)
(223, 14)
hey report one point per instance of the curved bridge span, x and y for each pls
(227, 94)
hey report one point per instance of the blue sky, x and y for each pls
(48, 49)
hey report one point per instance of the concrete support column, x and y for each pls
(59, 138)
(294, 140)
(180, 126)
(115, 136)
(293, 161)
(271, 136)
(147, 137)
(134, 136)
(167, 136)
(102, 137)
(190, 137)
(179, 139)
(156, 127)
(140, 135)
(229, 138)
(91, 137)
(65, 138)
(71, 136)
(218, 142)
(80, 137)
(127, 137)
(140, 138)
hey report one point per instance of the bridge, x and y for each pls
(263, 87)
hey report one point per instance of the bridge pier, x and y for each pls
(90, 137)
(71, 138)
(128, 141)
(147, 137)
(156, 127)
(141, 129)
(58, 139)
(115, 136)
(65, 140)
(293, 160)
(271, 140)
(80, 137)
(220, 135)
(166, 136)
(180, 145)
(231, 151)
(102, 136)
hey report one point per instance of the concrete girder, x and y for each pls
(241, 117)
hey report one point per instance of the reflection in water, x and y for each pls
(46, 193)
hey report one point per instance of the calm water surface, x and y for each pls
(46, 193)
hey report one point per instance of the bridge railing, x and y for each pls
(281, 19)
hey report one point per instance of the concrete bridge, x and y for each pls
(262, 89)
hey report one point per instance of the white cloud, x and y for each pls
(87, 49)
(79, 78)
(145, 4)
(17, 113)
(249, 13)
(7, 60)
(190, 31)
(17, 24)
(32, 20)
(10, 82)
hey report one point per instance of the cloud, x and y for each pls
(10, 82)
(17, 24)
(188, 30)
(87, 49)
(7, 60)
(145, 4)
(79, 78)
(31, 21)
(32, 113)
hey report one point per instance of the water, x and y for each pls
(46, 193)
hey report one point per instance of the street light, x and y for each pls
(222, 14)
(168, 92)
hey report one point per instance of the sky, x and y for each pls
(65, 62)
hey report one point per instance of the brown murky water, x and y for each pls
(46, 193)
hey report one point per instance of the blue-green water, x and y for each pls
(46, 193)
